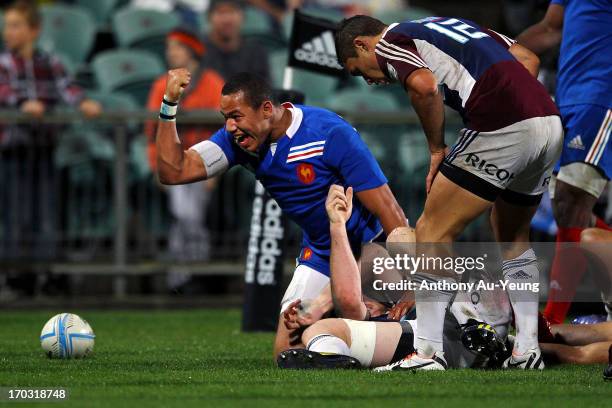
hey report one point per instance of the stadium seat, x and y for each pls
(131, 71)
(77, 146)
(395, 90)
(146, 29)
(114, 102)
(258, 25)
(278, 62)
(138, 160)
(413, 151)
(203, 23)
(256, 22)
(375, 144)
(362, 100)
(69, 30)
(316, 87)
(69, 65)
(101, 10)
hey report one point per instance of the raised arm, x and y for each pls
(545, 34)
(344, 271)
(175, 165)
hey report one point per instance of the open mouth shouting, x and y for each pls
(243, 140)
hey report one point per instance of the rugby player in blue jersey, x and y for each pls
(297, 152)
(584, 96)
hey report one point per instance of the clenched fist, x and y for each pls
(176, 82)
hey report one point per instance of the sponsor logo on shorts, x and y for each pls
(488, 168)
(576, 143)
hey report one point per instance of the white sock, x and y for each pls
(430, 308)
(328, 343)
(523, 270)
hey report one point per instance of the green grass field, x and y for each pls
(200, 358)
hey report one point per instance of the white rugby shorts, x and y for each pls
(514, 163)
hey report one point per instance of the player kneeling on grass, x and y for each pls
(366, 335)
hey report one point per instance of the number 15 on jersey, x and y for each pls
(455, 29)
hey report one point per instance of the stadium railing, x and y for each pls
(78, 195)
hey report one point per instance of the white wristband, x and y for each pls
(168, 110)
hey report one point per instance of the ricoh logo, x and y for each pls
(264, 249)
(489, 168)
(320, 50)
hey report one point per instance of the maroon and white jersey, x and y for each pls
(479, 76)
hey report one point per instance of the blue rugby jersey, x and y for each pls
(319, 149)
(585, 60)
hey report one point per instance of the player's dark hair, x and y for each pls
(351, 28)
(255, 88)
(29, 10)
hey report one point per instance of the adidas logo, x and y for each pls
(520, 275)
(576, 143)
(320, 50)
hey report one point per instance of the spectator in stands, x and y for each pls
(33, 82)
(227, 51)
(188, 239)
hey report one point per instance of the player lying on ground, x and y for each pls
(579, 343)
(502, 161)
(365, 335)
(344, 343)
(296, 152)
